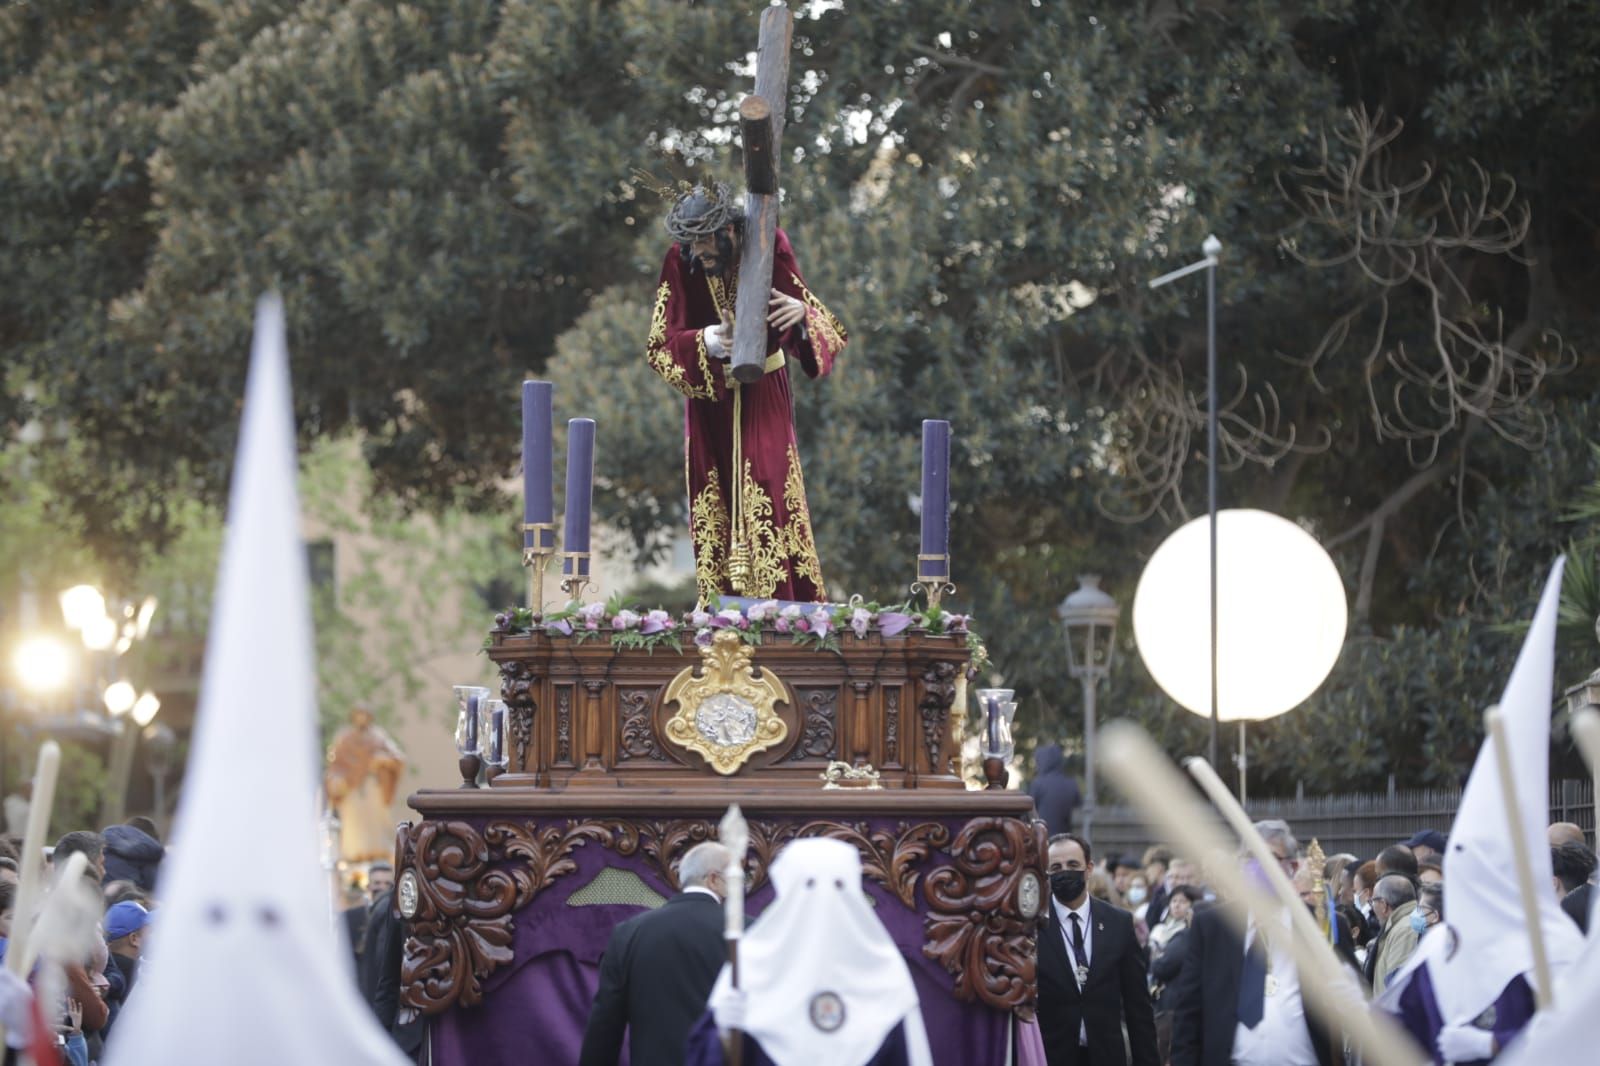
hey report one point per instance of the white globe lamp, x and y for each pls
(1281, 615)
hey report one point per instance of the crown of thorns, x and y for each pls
(702, 211)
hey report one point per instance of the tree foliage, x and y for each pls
(444, 191)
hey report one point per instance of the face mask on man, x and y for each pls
(1067, 885)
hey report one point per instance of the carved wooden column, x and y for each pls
(519, 681)
(938, 695)
(861, 724)
(593, 726)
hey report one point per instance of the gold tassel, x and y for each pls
(739, 549)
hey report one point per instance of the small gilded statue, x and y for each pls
(364, 766)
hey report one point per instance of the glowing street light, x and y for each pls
(145, 708)
(43, 664)
(99, 634)
(82, 604)
(120, 697)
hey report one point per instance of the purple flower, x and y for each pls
(563, 627)
(956, 623)
(893, 623)
(699, 619)
(860, 620)
(781, 624)
(624, 619)
(703, 636)
(592, 612)
(655, 621)
(729, 617)
(591, 625)
(821, 621)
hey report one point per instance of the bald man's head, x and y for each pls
(1565, 833)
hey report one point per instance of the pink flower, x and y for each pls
(655, 621)
(790, 612)
(802, 625)
(781, 624)
(759, 612)
(893, 623)
(860, 620)
(591, 625)
(624, 619)
(821, 621)
(592, 612)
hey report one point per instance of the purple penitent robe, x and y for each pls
(1419, 1012)
(704, 1047)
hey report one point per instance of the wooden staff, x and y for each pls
(32, 872)
(1586, 731)
(734, 834)
(1520, 853)
(1155, 786)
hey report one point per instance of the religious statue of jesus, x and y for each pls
(747, 501)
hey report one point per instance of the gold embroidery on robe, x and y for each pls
(708, 527)
(819, 320)
(765, 540)
(798, 542)
(660, 358)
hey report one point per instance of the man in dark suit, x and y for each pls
(658, 970)
(1091, 972)
(1238, 1002)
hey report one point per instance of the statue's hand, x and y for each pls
(719, 340)
(784, 311)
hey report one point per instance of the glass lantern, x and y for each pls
(470, 716)
(494, 745)
(999, 708)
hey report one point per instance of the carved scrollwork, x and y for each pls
(938, 696)
(564, 725)
(638, 739)
(818, 730)
(517, 681)
(975, 925)
(891, 725)
(890, 859)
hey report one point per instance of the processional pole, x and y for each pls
(734, 834)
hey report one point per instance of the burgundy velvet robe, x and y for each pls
(782, 555)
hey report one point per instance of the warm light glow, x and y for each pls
(43, 664)
(120, 697)
(1281, 615)
(99, 634)
(145, 708)
(82, 604)
(147, 611)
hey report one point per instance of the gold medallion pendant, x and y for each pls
(726, 711)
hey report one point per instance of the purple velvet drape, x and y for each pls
(534, 1010)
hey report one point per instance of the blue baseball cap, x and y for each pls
(124, 918)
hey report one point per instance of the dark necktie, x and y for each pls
(1081, 956)
(1253, 986)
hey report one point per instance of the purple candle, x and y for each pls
(580, 494)
(497, 732)
(935, 500)
(538, 492)
(472, 723)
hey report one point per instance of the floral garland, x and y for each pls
(818, 625)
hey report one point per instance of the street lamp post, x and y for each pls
(160, 743)
(1089, 616)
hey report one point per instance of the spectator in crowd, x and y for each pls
(1221, 1014)
(1157, 864)
(1093, 983)
(1169, 944)
(9, 873)
(1366, 878)
(380, 879)
(1430, 907)
(1054, 791)
(379, 971)
(1429, 873)
(1104, 889)
(133, 853)
(1397, 859)
(1393, 901)
(1565, 833)
(125, 926)
(89, 844)
(1427, 845)
(1572, 865)
(1121, 871)
(8, 906)
(1339, 871)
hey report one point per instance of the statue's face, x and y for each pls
(361, 718)
(714, 253)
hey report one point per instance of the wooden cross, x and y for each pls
(761, 131)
